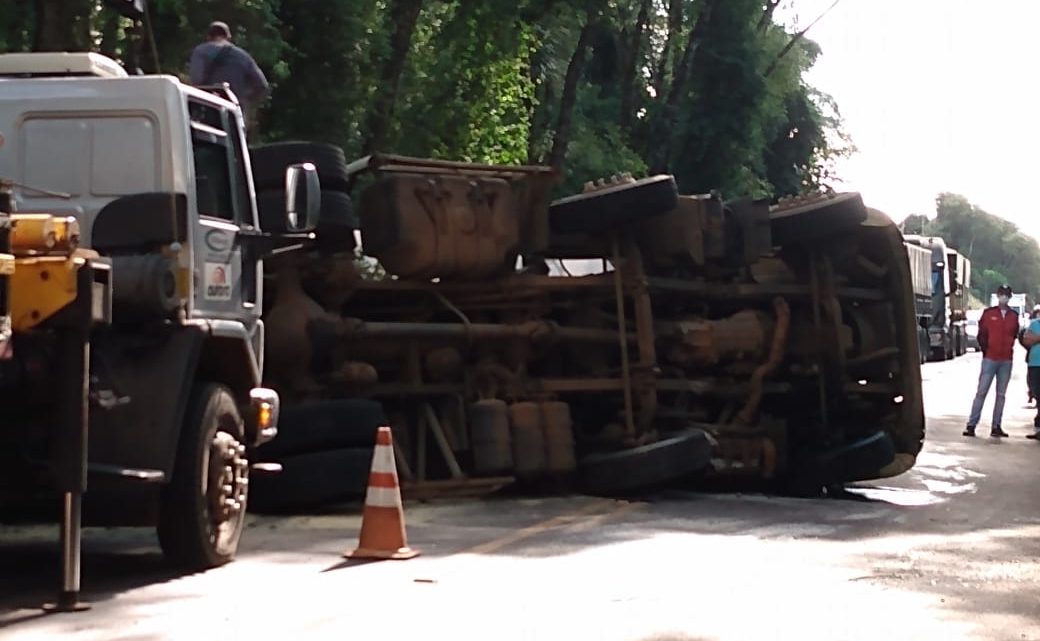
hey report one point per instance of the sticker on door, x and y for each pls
(218, 281)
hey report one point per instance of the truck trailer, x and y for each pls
(921, 278)
(717, 338)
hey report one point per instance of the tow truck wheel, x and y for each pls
(203, 509)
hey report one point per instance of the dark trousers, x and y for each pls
(1033, 380)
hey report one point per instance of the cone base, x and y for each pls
(399, 554)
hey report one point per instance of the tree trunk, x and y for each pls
(570, 95)
(62, 25)
(767, 15)
(110, 35)
(404, 14)
(675, 19)
(661, 151)
(630, 64)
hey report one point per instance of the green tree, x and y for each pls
(999, 251)
(712, 91)
(915, 224)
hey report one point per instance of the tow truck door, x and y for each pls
(225, 276)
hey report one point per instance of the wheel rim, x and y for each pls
(227, 489)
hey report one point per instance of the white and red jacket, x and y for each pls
(997, 333)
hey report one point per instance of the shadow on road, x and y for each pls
(30, 575)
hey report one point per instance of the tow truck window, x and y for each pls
(212, 180)
(220, 174)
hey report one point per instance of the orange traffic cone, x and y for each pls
(382, 521)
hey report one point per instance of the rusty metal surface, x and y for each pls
(705, 343)
(397, 163)
(710, 325)
(528, 437)
(746, 416)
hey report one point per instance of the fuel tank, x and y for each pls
(441, 226)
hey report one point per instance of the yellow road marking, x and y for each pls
(549, 523)
(620, 507)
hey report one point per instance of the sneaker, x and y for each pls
(969, 431)
(1035, 436)
(996, 432)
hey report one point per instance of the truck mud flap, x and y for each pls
(647, 466)
(808, 221)
(325, 425)
(860, 460)
(312, 480)
(613, 205)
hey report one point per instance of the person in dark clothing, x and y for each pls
(998, 331)
(1031, 341)
(1032, 388)
(218, 60)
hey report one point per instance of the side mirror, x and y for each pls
(302, 197)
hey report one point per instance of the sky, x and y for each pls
(937, 96)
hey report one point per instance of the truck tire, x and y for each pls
(860, 460)
(644, 467)
(613, 206)
(200, 520)
(325, 425)
(310, 480)
(337, 221)
(808, 221)
(270, 161)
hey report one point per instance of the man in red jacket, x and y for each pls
(998, 331)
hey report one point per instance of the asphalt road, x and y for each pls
(947, 551)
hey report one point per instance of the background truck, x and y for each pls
(958, 278)
(951, 279)
(722, 338)
(131, 269)
(921, 278)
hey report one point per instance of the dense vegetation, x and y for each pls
(999, 251)
(710, 90)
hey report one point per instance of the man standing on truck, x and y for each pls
(998, 330)
(218, 60)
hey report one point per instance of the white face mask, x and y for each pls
(1003, 300)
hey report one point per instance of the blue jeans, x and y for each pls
(990, 369)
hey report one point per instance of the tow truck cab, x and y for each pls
(152, 179)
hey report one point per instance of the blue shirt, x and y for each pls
(235, 67)
(1034, 351)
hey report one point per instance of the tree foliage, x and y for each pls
(712, 91)
(999, 251)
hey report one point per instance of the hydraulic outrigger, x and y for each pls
(53, 290)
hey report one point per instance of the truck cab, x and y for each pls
(154, 177)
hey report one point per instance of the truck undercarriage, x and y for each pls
(710, 338)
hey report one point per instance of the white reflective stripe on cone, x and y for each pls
(383, 460)
(383, 497)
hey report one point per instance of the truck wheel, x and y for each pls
(202, 509)
(613, 206)
(809, 220)
(336, 218)
(859, 460)
(646, 466)
(269, 162)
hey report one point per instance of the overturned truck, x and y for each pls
(617, 339)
